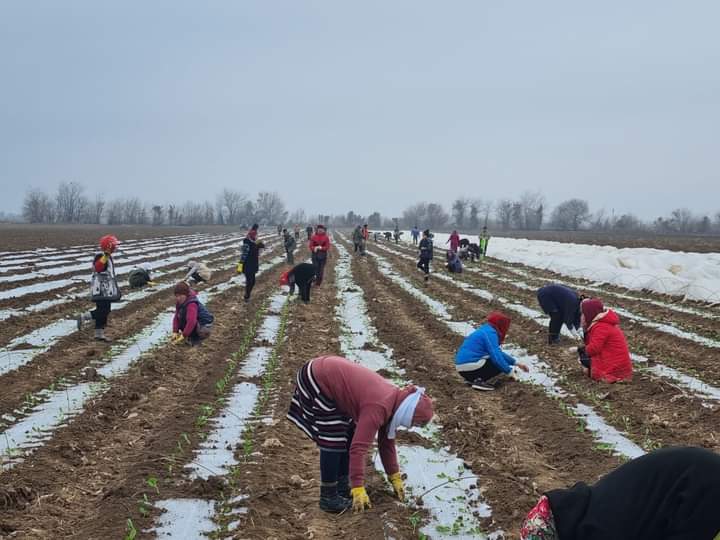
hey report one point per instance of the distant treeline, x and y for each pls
(70, 204)
(529, 212)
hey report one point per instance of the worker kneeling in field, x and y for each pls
(192, 322)
(140, 276)
(301, 275)
(480, 359)
(563, 305)
(342, 406)
(605, 355)
(454, 265)
(198, 272)
(672, 493)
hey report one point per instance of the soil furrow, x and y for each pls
(90, 475)
(496, 433)
(654, 412)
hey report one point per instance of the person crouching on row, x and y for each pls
(605, 355)
(672, 493)
(453, 265)
(192, 321)
(343, 406)
(301, 275)
(140, 276)
(480, 358)
(198, 272)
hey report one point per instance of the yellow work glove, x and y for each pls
(360, 499)
(239, 267)
(151, 283)
(177, 338)
(398, 485)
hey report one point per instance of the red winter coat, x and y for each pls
(606, 346)
(454, 241)
(322, 240)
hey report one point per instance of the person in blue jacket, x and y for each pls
(563, 305)
(480, 357)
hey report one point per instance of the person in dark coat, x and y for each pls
(426, 253)
(669, 494)
(250, 259)
(290, 244)
(563, 305)
(140, 276)
(301, 275)
(309, 231)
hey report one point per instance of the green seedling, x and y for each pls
(130, 530)
(153, 483)
(144, 505)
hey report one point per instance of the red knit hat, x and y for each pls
(182, 288)
(109, 243)
(500, 322)
(591, 308)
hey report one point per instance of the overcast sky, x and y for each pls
(364, 105)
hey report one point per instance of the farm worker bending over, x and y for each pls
(198, 272)
(103, 262)
(342, 406)
(319, 246)
(301, 275)
(669, 494)
(192, 320)
(563, 305)
(250, 259)
(426, 253)
(605, 355)
(140, 276)
(454, 241)
(415, 233)
(480, 358)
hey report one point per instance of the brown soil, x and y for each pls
(515, 456)
(652, 411)
(90, 475)
(25, 236)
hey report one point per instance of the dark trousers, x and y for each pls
(290, 257)
(485, 373)
(304, 289)
(554, 327)
(333, 464)
(100, 314)
(585, 360)
(319, 264)
(249, 283)
(424, 265)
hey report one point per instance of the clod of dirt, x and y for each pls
(90, 374)
(419, 501)
(297, 481)
(272, 443)
(11, 498)
(90, 352)
(207, 488)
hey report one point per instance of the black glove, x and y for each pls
(581, 350)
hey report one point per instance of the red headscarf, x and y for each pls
(109, 243)
(591, 308)
(500, 322)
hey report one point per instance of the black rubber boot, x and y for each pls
(330, 501)
(343, 487)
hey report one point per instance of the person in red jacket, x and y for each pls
(605, 355)
(343, 406)
(102, 262)
(454, 241)
(319, 246)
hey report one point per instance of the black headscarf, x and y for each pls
(669, 494)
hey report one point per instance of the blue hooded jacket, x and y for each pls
(484, 343)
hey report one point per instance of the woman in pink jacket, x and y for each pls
(343, 406)
(454, 241)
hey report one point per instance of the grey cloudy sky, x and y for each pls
(368, 105)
